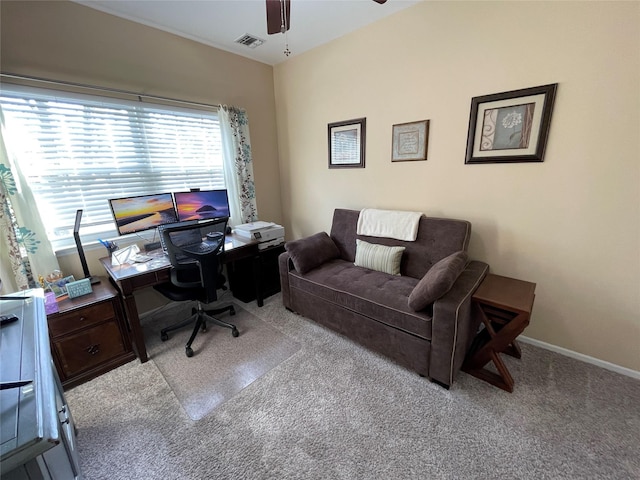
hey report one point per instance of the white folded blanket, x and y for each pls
(389, 223)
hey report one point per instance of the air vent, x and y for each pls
(250, 41)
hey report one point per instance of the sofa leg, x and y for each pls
(444, 385)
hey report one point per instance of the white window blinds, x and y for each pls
(78, 151)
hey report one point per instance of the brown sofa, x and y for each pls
(412, 318)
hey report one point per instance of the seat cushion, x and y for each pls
(373, 294)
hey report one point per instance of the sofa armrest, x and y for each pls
(284, 266)
(454, 325)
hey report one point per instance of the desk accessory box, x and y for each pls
(50, 303)
(79, 288)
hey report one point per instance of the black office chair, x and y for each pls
(195, 274)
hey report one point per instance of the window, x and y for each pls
(77, 151)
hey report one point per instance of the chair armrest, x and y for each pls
(454, 326)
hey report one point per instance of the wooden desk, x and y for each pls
(131, 277)
(505, 306)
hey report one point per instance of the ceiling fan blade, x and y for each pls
(380, 1)
(274, 16)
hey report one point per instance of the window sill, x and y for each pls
(91, 245)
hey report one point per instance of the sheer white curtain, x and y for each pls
(238, 164)
(26, 252)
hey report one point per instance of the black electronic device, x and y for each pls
(143, 212)
(83, 259)
(201, 204)
(7, 319)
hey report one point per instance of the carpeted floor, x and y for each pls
(334, 410)
(222, 365)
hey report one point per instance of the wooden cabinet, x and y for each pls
(89, 335)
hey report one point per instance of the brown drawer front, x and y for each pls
(89, 348)
(149, 279)
(82, 318)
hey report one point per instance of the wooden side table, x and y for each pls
(504, 305)
(89, 335)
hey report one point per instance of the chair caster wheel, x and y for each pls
(164, 337)
(189, 351)
(235, 332)
(232, 311)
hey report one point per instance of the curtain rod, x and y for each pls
(139, 96)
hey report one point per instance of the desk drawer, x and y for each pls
(148, 279)
(89, 348)
(65, 323)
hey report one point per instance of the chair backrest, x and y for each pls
(196, 262)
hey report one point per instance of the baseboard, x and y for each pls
(584, 358)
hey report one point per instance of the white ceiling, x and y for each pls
(220, 22)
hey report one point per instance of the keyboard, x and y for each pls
(203, 247)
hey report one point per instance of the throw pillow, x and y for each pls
(378, 257)
(438, 280)
(311, 252)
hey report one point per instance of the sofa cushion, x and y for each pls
(378, 257)
(373, 294)
(438, 280)
(310, 252)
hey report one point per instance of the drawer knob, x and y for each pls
(93, 349)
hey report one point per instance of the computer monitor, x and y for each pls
(202, 204)
(144, 212)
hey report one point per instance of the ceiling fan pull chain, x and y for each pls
(283, 27)
(287, 52)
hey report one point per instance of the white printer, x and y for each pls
(267, 233)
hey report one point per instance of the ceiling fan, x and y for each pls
(278, 15)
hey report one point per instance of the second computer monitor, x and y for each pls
(143, 212)
(201, 204)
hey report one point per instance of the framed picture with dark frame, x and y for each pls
(346, 143)
(409, 141)
(510, 127)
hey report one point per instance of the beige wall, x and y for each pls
(570, 224)
(69, 42)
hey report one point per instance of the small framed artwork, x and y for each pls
(409, 141)
(59, 286)
(511, 126)
(346, 143)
